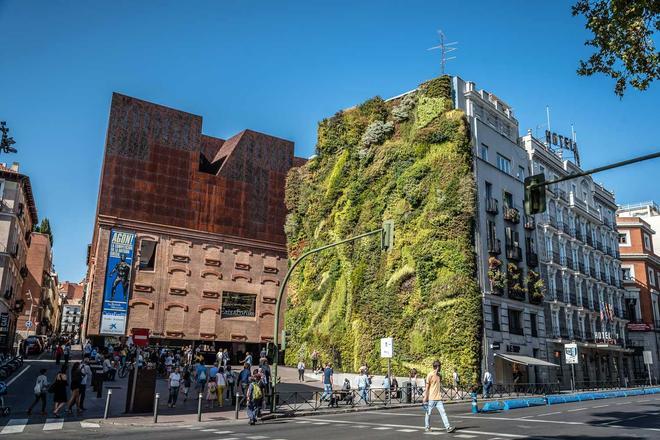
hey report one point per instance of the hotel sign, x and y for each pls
(606, 337)
(564, 142)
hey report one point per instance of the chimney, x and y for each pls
(14, 166)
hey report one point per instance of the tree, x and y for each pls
(623, 37)
(44, 228)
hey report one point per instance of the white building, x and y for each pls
(514, 320)
(70, 319)
(580, 263)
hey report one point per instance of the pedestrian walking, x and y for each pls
(221, 381)
(86, 372)
(433, 398)
(488, 383)
(200, 375)
(301, 371)
(67, 353)
(59, 351)
(211, 392)
(186, 382)
(40, 392)
(456, 379)
(225, 358)
(76, 379)
(248, 359)
(362, 384)
(174, 381)
(244, 379)
(328, 380)
(59, 391)
(231, 381)
(254, 397)
(315, 361)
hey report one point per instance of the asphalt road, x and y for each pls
(632, 417)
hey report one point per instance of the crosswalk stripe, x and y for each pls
(223, 432)
(406, 430)
(382, 428)
(14, 426)
(208, 430)
(89, 425)
(465, 436)
(53, 424)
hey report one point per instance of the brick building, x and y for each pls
(192, 227)
(18, 214)
(39, 289)
(641, 278)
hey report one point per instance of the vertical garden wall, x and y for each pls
(408, 160)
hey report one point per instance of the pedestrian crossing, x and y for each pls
(17, 426)
(241, 434)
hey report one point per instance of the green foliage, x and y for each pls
(423, 293)
(535, 287)
(438, 87)
(376, 133)
(515, 282)
(623, 34)
(44, 228)
(496, 276)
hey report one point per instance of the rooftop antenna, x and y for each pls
(445, 49)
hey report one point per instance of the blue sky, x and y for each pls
(280, 67)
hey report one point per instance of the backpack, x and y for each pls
(256, 391)
(230, 378)
(202, 375)
(212, 387)
(39, 387)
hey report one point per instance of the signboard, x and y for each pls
(4, 322)
(141, 337)
(28, 324)
(116, 290)
(510, 348)
(386, 347)
(495, 346)
(648, 360)
(238, 305)
(564, 142)
(639, 327)
(571, 353)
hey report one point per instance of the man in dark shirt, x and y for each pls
(244, 378)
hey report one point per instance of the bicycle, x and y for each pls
(125, 368)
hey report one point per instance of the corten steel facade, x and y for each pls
(211, 211)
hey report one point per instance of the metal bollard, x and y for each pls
(107, 404)
(199, 407)
(238, 404)
(156, 407)
(475, 406)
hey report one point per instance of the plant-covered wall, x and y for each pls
(408, 160)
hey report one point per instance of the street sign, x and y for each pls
(28, 324)
(386, 347)
(571, 353)
(648, 359)
(495, 346)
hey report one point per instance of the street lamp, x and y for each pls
(7, 141)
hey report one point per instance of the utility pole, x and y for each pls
(387, 242)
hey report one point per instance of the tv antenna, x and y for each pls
(445, 49)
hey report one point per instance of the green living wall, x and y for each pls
(408, 160)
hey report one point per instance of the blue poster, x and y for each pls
(116, 291)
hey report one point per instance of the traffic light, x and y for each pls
(534, 194)
(387, 237)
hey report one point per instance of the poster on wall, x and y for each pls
(116, 290)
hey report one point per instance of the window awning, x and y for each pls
(525, 360)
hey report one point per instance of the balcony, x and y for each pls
(516, 331)
(513, 253)
(530, 223)
(566, 229)
(552, 220)
(590, 240)
(562, 195)
(532, 259)
(491, 206)
(511, 214)
(563, 260)
(494, 246)
(579, 235)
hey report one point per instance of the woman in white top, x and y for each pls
(221, 382)
(301, 371)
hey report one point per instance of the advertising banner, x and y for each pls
(116, 291)
(571, 352)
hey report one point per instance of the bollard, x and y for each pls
(238, 404)
(156, 407)
(475, 406)
(199, 407)
(107, 404)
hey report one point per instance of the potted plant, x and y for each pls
(535, 287)
(496, 276)
(516, 289)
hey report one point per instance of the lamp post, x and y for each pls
(387, 243)
(6, 142)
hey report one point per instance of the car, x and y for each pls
(33, 345)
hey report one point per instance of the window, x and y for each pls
(483, 152)
(647, 242)
(495, 312)
(651, 277)
(532, 321)
(148, 254)
(508, 200)
(541, 169)
(515, 322)
(626, 273)
(521, 173)
(503, 164)
(624, 238)
(489, 190)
